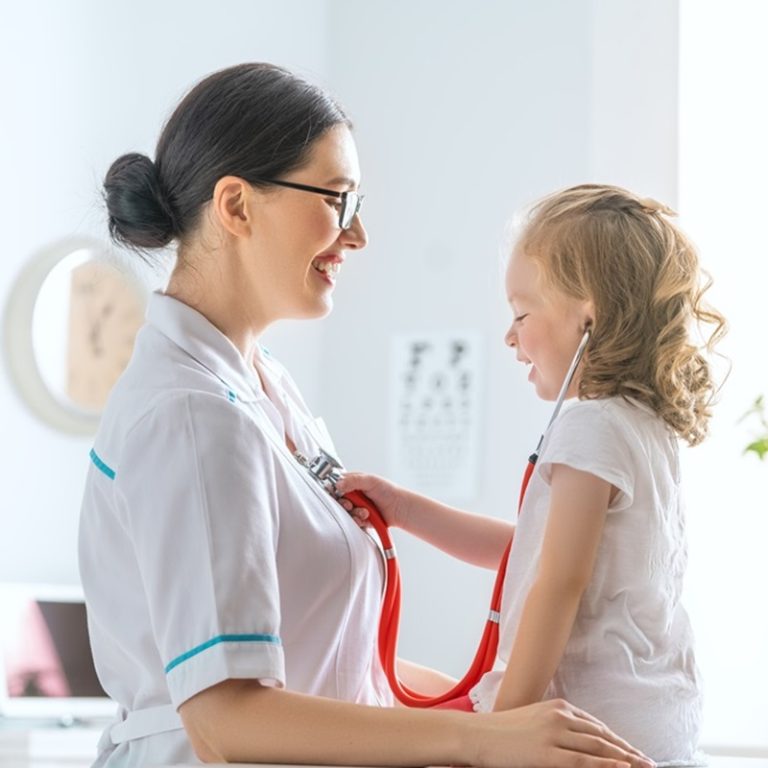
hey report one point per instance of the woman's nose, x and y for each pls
(355, 236)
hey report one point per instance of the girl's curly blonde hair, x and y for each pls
(606, 245)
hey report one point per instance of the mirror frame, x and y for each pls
(18, 336)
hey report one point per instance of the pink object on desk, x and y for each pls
(33, 667)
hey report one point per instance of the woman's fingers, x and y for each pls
(604, 751)
(577, 760)
(584, 723)
(587, 741)
(552, 734)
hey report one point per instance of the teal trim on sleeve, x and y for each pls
(221, 639)
(101, 466)
(231, 396)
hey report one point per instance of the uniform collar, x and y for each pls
(262, 358)
(205, 343)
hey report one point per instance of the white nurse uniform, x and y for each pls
(206, 551)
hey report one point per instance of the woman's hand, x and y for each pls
(241, 721)
(552, 733)
(390, 499)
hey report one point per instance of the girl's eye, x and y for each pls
(519, 318)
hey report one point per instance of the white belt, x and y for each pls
(146, 722)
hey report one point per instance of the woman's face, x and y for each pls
(297, 246)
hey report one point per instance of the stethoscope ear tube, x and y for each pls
(582, 348)
(389, 624)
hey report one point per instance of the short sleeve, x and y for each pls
(197, 493)
(590, 438)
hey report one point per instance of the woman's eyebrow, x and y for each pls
(341, 180)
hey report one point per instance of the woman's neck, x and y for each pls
(210, 287)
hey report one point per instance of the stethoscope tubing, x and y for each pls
(389, 624)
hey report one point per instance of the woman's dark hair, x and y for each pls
(256, 121)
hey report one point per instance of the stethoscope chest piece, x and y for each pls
(324, 468)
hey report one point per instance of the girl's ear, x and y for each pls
(588, 315)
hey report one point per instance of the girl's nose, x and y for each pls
(510, 337)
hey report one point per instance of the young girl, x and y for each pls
(591, 609)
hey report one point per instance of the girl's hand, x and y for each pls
(390, 499)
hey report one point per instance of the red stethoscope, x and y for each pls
(327, 471)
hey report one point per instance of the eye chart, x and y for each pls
(435, 413)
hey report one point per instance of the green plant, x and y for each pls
(757, 412)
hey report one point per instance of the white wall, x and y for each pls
(83, 82)
(723, 167)
(633, 130)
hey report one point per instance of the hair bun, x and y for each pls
(140, 215)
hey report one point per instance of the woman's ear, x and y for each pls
(588, 315)
(230, 205)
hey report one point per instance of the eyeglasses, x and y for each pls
(350, 201)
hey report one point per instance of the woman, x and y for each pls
(233, 604)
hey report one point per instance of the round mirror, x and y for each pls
(71, 321)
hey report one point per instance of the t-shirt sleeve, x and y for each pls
(591, 439)
(196, 488)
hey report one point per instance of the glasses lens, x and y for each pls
(349, 208)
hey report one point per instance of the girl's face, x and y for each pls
(297, 246)
(546, 329)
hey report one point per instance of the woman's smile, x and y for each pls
(328, 267)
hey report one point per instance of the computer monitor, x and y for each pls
(46, 666)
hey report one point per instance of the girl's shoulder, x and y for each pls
(592, 436)
(615, 417)
(584, 420)
(625, 424)
(619, 409)
(613, 438)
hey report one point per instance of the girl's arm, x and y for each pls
(475, 539)
(241, 721)
(574, 528)
(423, 679)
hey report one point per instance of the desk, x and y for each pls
(37, 747)
(715, 762)
(29, 743)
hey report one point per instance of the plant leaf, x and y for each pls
(760, 447)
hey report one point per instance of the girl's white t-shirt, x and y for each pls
(629, 660)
